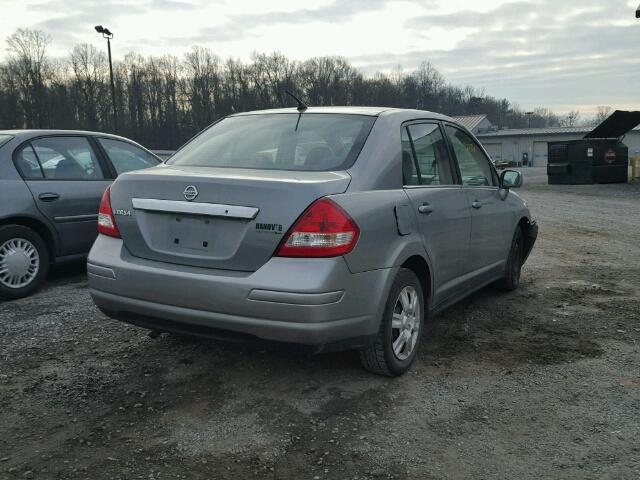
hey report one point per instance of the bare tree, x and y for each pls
(162, 101)
(31, 71)
(602, 113)
(89, 69)
(571, 118)
(203, 85)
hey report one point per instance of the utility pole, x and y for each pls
(108, 35)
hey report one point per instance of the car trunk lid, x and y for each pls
(223, 218)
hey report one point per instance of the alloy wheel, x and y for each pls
(405, 324)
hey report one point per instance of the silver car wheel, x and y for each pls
(19, 263)
(405, 324)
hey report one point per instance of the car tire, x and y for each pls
(384, 356)
(511, 280)
(21, 250)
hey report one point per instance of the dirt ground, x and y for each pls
(540, 383)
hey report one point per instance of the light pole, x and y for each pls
(529, 114)
(108, 35)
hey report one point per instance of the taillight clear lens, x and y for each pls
(323, 230)
(106, 221)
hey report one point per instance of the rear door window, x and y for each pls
(67, 158)
(409, 169)
(126, 157)
(424, 145)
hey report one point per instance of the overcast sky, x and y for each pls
(560, 54)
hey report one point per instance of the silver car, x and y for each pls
(333, 227)
(51, 183)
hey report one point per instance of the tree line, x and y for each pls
(162, 101)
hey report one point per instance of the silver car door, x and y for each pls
(440, 204)
(492, 217)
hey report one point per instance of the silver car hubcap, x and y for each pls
(405, 324)
(19, 263)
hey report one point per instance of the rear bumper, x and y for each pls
(306, 301)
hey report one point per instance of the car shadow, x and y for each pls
(63, 274)
(66, 273)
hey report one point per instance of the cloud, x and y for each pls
(72, 23)
(247, 25)
(535, 51)
(173, 5)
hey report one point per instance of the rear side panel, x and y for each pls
(16, 199)
(380, 244)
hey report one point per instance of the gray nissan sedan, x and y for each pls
(51, 183)
(333, 227)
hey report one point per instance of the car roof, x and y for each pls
(30, 133)
(370, 111)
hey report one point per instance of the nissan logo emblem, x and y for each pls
(190, 193)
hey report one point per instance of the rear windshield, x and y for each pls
(279, 141)
(4, 138)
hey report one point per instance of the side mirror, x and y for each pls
(510, 179)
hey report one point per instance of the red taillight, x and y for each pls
(323, 230)
(106, 221)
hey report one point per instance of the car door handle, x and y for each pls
(425, 209)
(477, 205)
(49, 197)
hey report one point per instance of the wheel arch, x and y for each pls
(420, 266)
(530, 232)
(41, 228)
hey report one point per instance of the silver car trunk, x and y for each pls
(235, 221)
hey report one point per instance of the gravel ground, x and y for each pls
(540, 383)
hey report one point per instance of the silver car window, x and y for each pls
(425, 158)
(474, 165)
(306, 142)
(409, 170)
(431, 155)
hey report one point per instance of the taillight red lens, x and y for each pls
(106, 221)
(323, 230)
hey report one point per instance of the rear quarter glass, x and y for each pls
(283, 141)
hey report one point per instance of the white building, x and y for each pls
(514, 145)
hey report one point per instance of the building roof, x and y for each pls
(523, 132)
(470, 122)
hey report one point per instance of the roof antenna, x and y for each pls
(301, 105)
